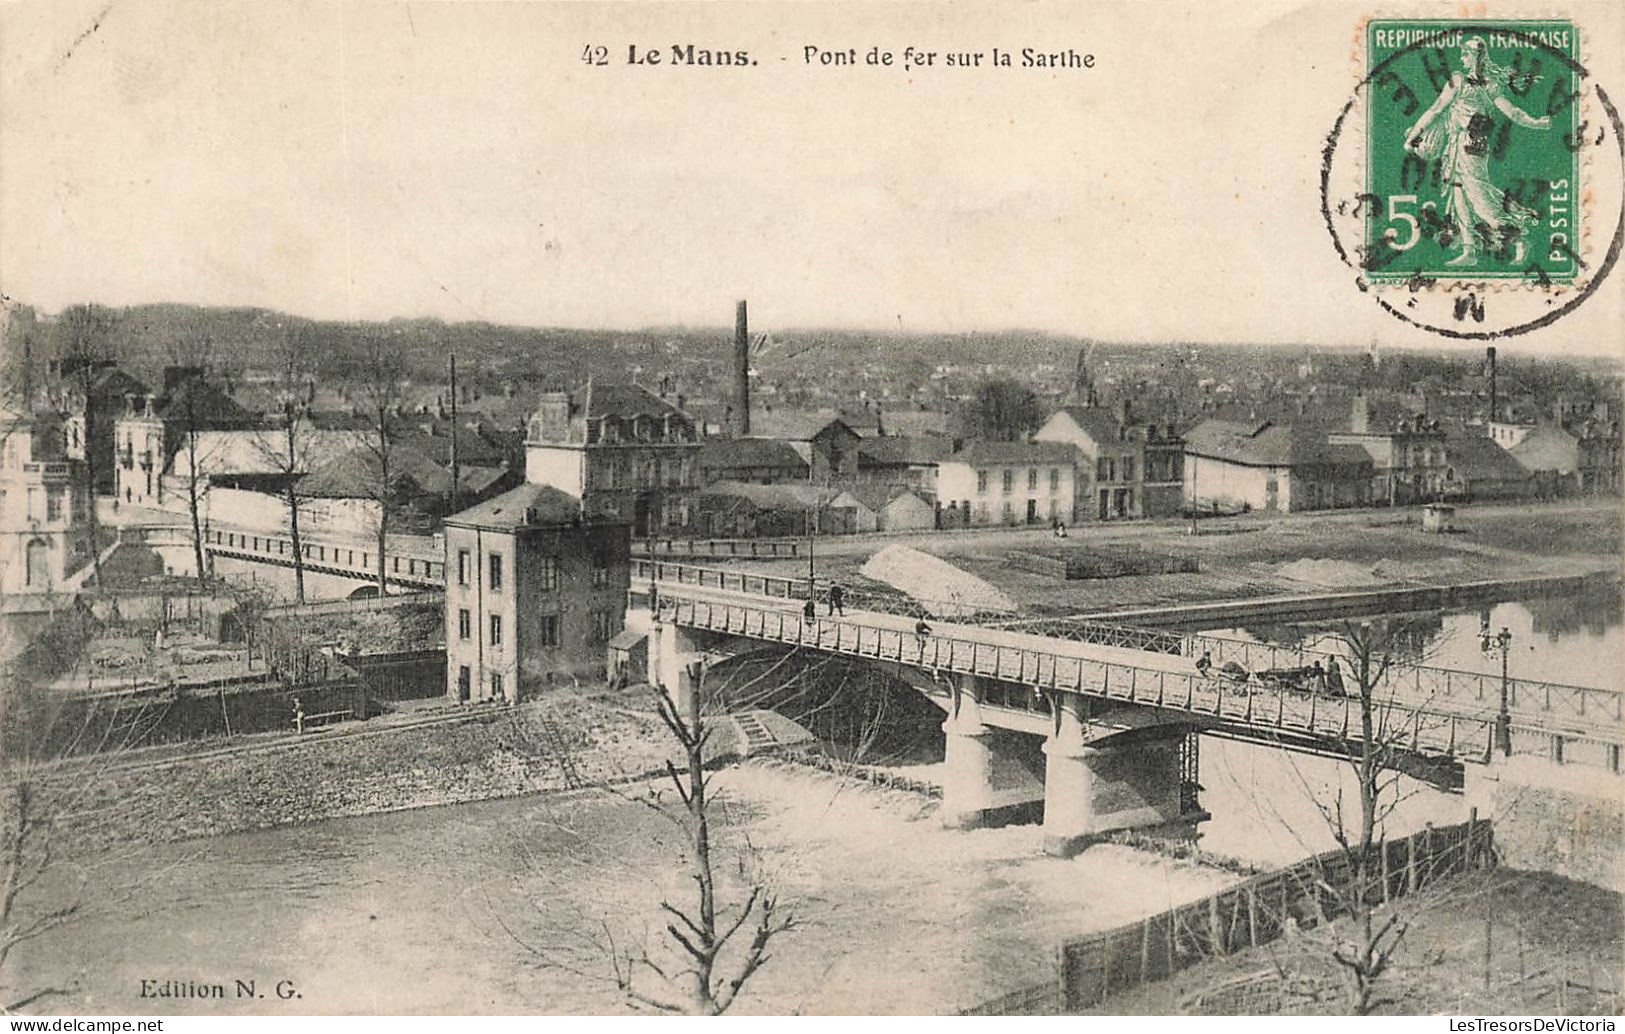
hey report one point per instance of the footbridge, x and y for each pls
(335, 565)
(1112, 707)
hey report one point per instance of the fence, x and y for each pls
(349, 558)
(353, 606)
(764, 549)
(1310, 893)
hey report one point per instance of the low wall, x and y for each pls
(1325, 605)
(1090, 968)
(1552, 818)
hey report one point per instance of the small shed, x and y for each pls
(1439, 518)
(628, 660)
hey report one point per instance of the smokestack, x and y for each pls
(742, 369)
(1489, 354)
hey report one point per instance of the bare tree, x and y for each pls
(288, 449)
(708, 948)
(382, 371)
(703, 928)
(86, 350)
(44, 883)
(196, 352)
(1376, 755)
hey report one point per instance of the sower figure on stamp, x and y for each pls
(1456, 129)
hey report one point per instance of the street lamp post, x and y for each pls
(811, 532)
(1502, 642)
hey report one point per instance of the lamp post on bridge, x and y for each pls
(1490, 644)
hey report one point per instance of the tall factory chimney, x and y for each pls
(1489, 354)
(742, 371)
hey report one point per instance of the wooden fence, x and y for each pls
(1310, 893)
(1257, 911)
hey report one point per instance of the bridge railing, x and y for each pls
(328, 553)
(1579, 706)
(762, 549)
(1255, 705)
(784, 587)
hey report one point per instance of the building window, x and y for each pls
(1009, 480)
(53, 506)
(603, 625)
(463, 682)
(1103, 469)
(547, 630)
(496, 629)
(1055, 479)
(981, 482)
(600, 569)
(496, 572)
(496, 684)
(1006, 513)
(1032, 478)
(547, 573)
(462, 567)
(463, 623)
(1128, 468)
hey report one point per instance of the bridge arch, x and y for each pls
(364, 592)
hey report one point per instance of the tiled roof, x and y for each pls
(1100, 424)
(1476, 458)
(904, 450)
(1263, 444)
(528, 504)
(978, 452)
(780, 496)
(739, 453)
(625, 401)
(796, 425)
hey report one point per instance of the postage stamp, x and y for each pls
(1473, 151)
(1474, 182)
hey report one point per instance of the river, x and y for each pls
(431, 911)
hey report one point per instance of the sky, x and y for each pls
(459, 160)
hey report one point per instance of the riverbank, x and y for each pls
(1506, 942)
(429, 911)
(177, 792)
(1262, 555)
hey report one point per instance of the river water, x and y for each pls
(431, 911)
(1573, 639)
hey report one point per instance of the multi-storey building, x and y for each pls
(624, 451)
(1111, 461)
(42, 507)
(534, 593)
(1407, 455)
(139, 455)
(1006, 483)
(1163, 487)
(1262, 466)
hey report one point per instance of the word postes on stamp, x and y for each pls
(1472, 151)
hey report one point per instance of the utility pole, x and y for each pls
(1194, 469)
(455, 472)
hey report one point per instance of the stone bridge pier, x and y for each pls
(1104, 768)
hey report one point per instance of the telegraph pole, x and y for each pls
(454, 466)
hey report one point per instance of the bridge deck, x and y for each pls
(1431, 723)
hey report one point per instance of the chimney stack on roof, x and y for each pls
(742, 370)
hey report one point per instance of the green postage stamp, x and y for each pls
(1473, 138)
